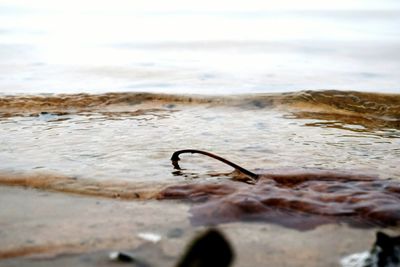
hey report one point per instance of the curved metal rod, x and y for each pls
(175, 158)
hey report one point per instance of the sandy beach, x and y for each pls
(40, 228)
(96, 96)
(71, 192)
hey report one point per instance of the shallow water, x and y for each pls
(119, 146)
(131, 137)
(233, 56)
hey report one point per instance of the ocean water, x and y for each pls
(202, 48)
(108, 91)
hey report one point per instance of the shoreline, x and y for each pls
(117, 137)
(46, 229)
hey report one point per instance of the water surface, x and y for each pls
(132, 136)
(247, 82)
(205, 48)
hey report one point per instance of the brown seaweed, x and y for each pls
(301, 199)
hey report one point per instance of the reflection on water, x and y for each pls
(119, 146)
(357, 124)
(208, 47)
(131, 137)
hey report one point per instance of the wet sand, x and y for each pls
(54, 229)
(71, 191)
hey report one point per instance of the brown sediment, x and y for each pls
(42, 249)
(347, 102)
(78, 103)
(24, 251)
(108, 189)
(376, 105)
(301, 201)
(354, 123)
(346, 109)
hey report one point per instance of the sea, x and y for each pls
(108, 90)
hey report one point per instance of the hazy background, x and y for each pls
(208, 46)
